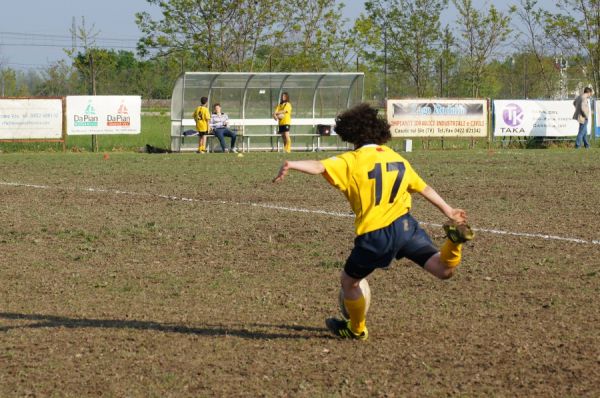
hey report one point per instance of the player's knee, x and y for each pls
(438, 268)
(348, 282)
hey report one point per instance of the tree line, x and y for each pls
(533, 49)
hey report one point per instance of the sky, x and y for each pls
(33, 33)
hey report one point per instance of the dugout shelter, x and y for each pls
(249, 98)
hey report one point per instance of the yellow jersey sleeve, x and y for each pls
(336, 171)
(415, 183)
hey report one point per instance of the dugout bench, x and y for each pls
(322, 127)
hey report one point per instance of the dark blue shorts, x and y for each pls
(284, 128)
(376, 249)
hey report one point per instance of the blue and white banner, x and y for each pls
(532, 118)
(104, 114)
(438, 118)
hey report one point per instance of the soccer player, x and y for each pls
(202, 117)
(378, 183)
(283, 115)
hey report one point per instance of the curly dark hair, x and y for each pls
(361, 125)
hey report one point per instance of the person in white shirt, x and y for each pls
(219, 123)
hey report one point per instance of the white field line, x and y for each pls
(292, 209)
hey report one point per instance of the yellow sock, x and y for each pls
(451, 253)
(358, 317)
(201, 148)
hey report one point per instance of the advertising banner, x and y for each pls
(596, 109)
(438, 118)
(531, 118)
(25, 119)
(104, 114)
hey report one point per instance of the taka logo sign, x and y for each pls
(88, 119)
(121, 118)
(513, 115)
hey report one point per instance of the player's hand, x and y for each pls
(458, 215)
(285, 167)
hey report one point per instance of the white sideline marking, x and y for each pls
(293, 209)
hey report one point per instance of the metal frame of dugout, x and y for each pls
(249, 99)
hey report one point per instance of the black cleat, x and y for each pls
(341, 328)
(458, 233)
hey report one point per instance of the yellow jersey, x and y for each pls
(201, 116)
(287, 108)
(377, 182)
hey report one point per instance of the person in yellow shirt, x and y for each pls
(283, 115)
(378, 183)
(202, 118)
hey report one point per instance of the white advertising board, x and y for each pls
(25, 119)
(531, 118)
(438, 118)
(104, 114)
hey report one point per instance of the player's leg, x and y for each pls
(355, 303)
(287, 142)
(438, 268)
(356, 306)
(202, 143)
(443, 264)
(233, 136)
(220, 134)
(418, 247)
(284, 130)
(375, 249)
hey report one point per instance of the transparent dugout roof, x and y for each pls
(247, 95)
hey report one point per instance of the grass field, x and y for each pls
(193, 275)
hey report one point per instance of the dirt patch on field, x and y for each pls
(117, 291)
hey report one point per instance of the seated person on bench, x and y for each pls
(218, 123)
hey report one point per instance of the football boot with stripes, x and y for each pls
(341, 328)
(458, 233)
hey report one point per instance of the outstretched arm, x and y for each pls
(458, 215)
(305, 166)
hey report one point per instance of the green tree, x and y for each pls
(248, 35)
(59, 79)
(575, 30)
(448, 59)
(315, 38)
(218, 35)
(95, 66)
(92, 61)
(482, 34)
(536, 43)
(13, 84)
(407, 33)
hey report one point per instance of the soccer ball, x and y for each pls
(280, 116)
(366, 290)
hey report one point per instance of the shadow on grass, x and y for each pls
(54, 321)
